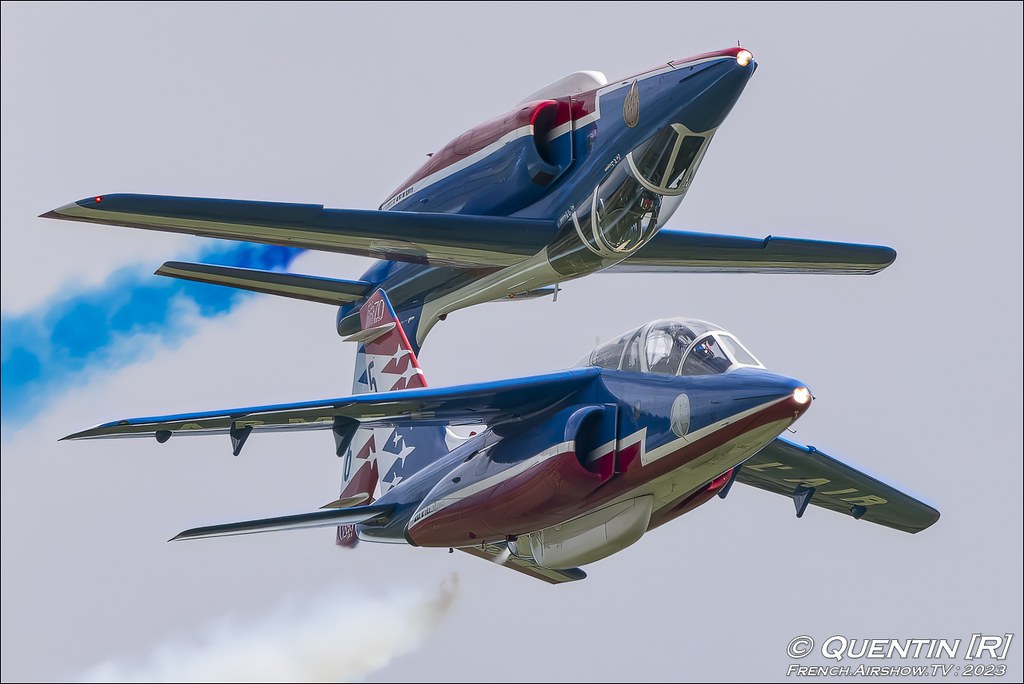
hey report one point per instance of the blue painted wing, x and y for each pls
(680, 251)
(428, 238)
(782, 467)
(488, 402)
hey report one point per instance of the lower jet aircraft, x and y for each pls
(565, 468)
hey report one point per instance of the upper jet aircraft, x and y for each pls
(580, 177)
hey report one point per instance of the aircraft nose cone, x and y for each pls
(712, 93)
(792, 393)
(800, 399)
(802, 396)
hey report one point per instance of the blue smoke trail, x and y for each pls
(56, 345)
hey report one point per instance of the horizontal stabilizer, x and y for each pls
(462, 404)
(327, 518)
(680, 251)
(435, 239)
(367, 335)
(310, 288)
(346, 502)
(809, 476)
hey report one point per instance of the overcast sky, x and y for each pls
(891, 124)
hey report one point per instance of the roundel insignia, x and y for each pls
(681, 415)
(631, 106)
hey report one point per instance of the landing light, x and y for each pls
(743, 57)
(801, 395)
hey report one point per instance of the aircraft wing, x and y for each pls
(494, 551)
(429, 238)
(800, 471)
(488, 402)
(680, 251)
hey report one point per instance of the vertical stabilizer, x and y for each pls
(378, 458)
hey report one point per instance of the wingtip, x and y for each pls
(886, 258)
(171, 268)
(934, 518)
(72, 211)
(185, 535)
(65, 212)
(75, 436)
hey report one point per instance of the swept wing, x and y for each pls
(680, 251)
(488, 402)
(790, 469)
(429, 238)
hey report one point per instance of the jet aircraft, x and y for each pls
(567, 468)
(580, 177)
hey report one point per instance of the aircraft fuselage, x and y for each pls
(627, 448)
(610, 164)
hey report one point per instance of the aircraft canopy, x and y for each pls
(674, 346)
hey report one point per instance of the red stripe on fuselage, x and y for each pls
(689, 501)
(727, 52)
(675, 63)
(476, 139)
(532, 499)
(472, 519)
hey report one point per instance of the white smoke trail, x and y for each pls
(341, 638)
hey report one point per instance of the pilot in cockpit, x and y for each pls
(664, 346)
(705, 351)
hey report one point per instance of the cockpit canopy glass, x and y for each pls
(667, 160)
(637, 197)
(674, 346)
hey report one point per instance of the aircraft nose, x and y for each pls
(796, 396)
(711, 92)
(792, 393)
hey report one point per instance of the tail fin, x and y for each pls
(378, 458)
(385, 360)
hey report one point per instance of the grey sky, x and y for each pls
(893, 124)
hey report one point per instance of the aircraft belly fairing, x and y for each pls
(591, 537)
